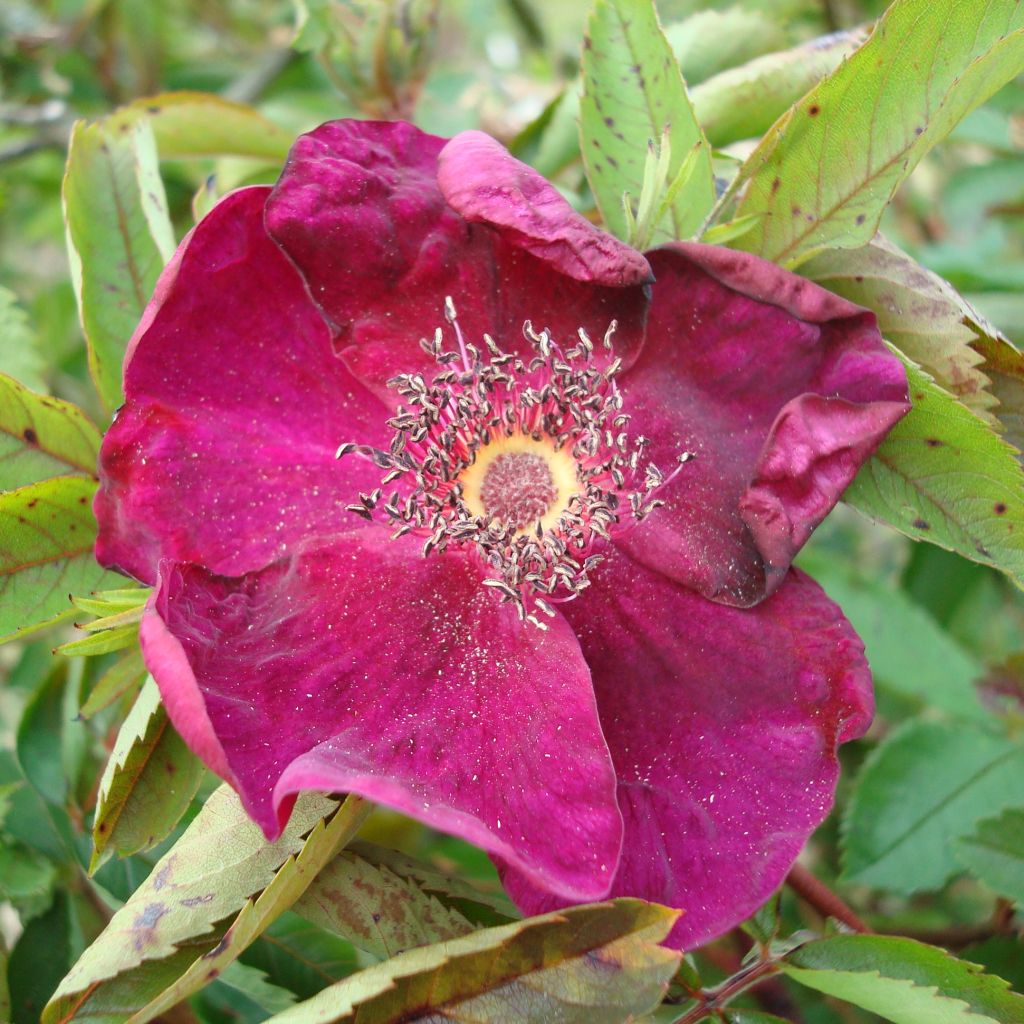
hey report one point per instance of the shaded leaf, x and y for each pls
(125, 675)
(919, 313)
(251, 985)
(191, 124)
(299, 956)
(744, 102)
(26, 880)
(47, 532)
(150, 779)
(904, 981)
(995, 853)
(632, 92)
(119, 238)
(827, 169)
(38, 959)
(925, 786)
(941, 475)
(1003, 365)
(473, 903)
(376, 909)
(590, 964)
(218, 863)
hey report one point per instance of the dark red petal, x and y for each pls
(482, 181)
(780, 388)
(365, 668)
(359, 210)
(223, 453)
(723, 725)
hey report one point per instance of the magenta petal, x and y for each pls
(365, 668)
(723, 725)
(780, 388)
(359, 210)
(235, 405)
(484, 182)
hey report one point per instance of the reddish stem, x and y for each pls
(815, 892)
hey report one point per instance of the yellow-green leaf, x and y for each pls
(597, 964)
(150, 779)
(119, 238)
(828, 168)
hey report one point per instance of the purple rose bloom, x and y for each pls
(543, 600)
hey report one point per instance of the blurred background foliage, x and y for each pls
(945, 636)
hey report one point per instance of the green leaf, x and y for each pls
(920, 314)
(119, 238)
(752, 1017)
(904, 981)
(908, 651)
(376, 909)
(251, 985)
(475, 904)
(995, 853)
(632, 92)
(195, 124)
(709, 42)
(590, 964)
(209, 874)
(26, 880)
(38, 959)
(744, 102)
(105, 642)
(42, 437)
(297, 955)
(125, 675)
(828, 168)
(321, 846)
(943, 476)
(47, 531)
(148, 783)
(19, 346)
(925, 786)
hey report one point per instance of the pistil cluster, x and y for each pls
(560, 403)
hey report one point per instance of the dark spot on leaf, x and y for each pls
(796, 211)
(32, 503)
(30, 435)
(221, 946)
(933, 442)
(776, 185)
(197, 901)
(149, 917)
(81, 500)
(212, 973)
(860, 218)
(999, 508)
(919, 130)
(859, 279)
(982, 550)
(22, 519)
(918, 396)
(814, 110)
(613, 162)
(376, 918)
(169, 766)
(610, 121)
(153, 109)
(160, 878)
(922, 524)
(102, 827)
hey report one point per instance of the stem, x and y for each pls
(823, 899)
(712, 1000)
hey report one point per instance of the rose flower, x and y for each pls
(450, 499)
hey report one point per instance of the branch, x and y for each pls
(815, 892)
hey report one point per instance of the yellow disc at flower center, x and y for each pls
(519, 481)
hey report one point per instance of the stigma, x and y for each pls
(525, 461)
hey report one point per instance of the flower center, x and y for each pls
(528, 463)
(520, 482)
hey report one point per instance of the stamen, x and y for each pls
(528, 463)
